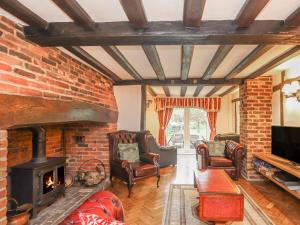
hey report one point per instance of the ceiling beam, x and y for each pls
(293, 20)
(183, 91)
(249, 12)
(186, 60)
(217, 59)
(135, 13)
(248, 60)
(153, 57)
(116, 54)
(231, 89)
(275, 62)
(86, 57)
(20, 11)
(192, 12)
(151, 91)
(198, 90)
(73, 9)
(167, 91)
(164, 33)
(213, 91)
(179, 82)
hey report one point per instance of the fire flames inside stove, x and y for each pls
(48, 182)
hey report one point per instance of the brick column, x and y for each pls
(3, 175)
(255, 121)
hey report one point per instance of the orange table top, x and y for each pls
(215, 181)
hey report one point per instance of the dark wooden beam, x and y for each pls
(135, 13)
(236, 100)
(20, 11)
(49, 112)
(167, 91)
(186, 60)
(183, 91)
(282, 76)
(213, 91)
(73, 9)
(164, 33)
(293, 20)
(287, 81)
(151, 91)
(248, 60)
(153, 57)
(192, 13)
(116, 54)
(86, 57)
(228, 91)
(179, 82)
(275, 62)
(198, 90)
(218, 58)
(249, 12)
(143, 107)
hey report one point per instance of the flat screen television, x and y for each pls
(286, 142)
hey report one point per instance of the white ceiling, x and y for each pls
(170, 55)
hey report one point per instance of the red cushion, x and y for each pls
(219, 161)
(104, 205)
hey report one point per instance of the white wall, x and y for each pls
(129, 105)
(291, 107)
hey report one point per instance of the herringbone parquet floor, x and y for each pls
(146, 206)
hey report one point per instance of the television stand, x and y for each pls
(282, 164)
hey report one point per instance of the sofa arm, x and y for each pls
(150, 157)
(202, 150)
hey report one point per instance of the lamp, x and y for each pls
(292, 89)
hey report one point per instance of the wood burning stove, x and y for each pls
(41, 180)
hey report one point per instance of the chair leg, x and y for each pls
(158, 178)
(129, 189)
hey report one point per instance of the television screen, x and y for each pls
(286, 142)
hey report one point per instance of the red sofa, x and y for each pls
(101, 208)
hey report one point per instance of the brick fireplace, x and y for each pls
(49, 74)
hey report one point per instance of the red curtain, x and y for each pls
(212, 121)
(164, 117)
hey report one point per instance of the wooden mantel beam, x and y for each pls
(43, 112)
(164, 33)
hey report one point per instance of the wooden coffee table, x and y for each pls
(220, 200)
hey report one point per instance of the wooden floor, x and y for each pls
(146, 206)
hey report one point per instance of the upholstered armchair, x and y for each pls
(168, 155)
(131, 172)
(231, 162)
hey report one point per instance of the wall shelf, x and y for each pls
(281, 164)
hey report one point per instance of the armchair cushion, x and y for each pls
(129, 152)
(216, 148)
(219, 161)
(141, 169)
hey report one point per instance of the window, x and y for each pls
(186, 127)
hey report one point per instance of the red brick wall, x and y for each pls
(3, 174)
(20, 144)
(27, 69)
(256, 120)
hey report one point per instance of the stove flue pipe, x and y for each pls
(38, 144)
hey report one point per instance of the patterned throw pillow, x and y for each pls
(129, 152)
(215, 148)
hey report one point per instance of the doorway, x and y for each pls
(186, 128)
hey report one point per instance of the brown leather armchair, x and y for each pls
(131, 172)
(231, 162)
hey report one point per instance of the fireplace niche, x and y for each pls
(41, 180)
